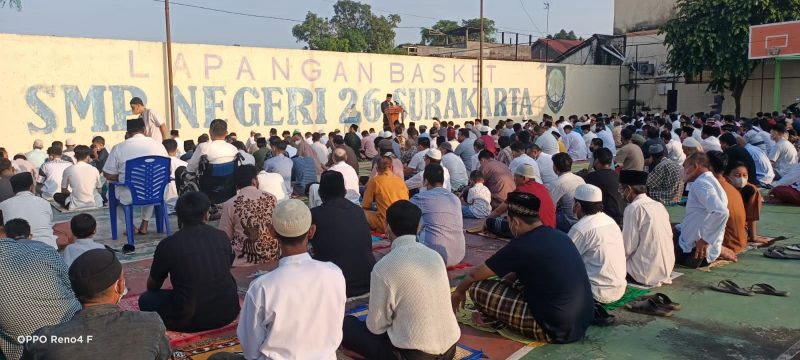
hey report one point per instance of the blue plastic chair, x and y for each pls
(147, 178)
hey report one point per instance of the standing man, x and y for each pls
(385, 111)
(154, 127)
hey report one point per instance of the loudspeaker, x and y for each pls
(672, 100)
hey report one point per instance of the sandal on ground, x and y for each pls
(647, 307)
(779, 252)
(767, 289)
(602, 317)
(793, 247)
(663, 301)
(730, 287)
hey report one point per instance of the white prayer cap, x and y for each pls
(527, 171)
(434, 154)
(69, 142)
(291, 218)
(486, 129)
(386, 134)
(590, 193)
(691, 142)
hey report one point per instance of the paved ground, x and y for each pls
(710, 325)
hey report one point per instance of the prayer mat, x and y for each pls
(463, 352)
(204, 350)
(60, 209)
(144, 250)
(631, 293)
(464, 316)
(674, 275)
(478, 230)
(179, 339)
(769, 241)
(460, 266)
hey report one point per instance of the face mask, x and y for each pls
(297, 142)
(738, 182)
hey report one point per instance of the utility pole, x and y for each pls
(547, 33)
(480, 71)
(169, 68)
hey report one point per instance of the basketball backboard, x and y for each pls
(774, 40)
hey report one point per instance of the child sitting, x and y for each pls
(83, 226)
(478, 198)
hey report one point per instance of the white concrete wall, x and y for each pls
(57, 87)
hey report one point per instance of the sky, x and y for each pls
(144, 19)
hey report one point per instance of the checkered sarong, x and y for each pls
(504, 302)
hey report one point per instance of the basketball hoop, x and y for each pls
(775, 51)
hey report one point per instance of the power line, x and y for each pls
(529, 16)
(231, 12)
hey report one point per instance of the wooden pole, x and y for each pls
(480, 72)
(169, 68)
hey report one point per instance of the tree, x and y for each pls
(435, 35)
(353, 28)
(564, 35)
(13, 4)
(713, 35)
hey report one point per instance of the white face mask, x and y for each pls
(739, 182)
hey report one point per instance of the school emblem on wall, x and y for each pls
(556, 87)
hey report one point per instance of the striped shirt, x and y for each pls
(36, 292)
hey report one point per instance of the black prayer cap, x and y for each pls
(632, 177)
(93, 272)
(135, 125)
(523, 204)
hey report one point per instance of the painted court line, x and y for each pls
(520, 353)
(791, 352)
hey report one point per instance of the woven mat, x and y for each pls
(463, 352)
(478, 230)
(179, 339)
(631, 293)
(203, 352)
(464, 316)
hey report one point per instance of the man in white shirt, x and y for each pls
(136, 146)
(783, 155)
(432, 156)
(83, 227)
(709, 141)
(296, 310)
(406, 320)
(699, 240)
(84, 180)
(673, 146)
(646, 232)
(608, 138)
(175, 135)
(455, 168)
(37, 156)
(171, 196)
(417, 162)
(546, 141)
(320, 149)
(51, 173)
(563, 191)
(599, 241)
(29, 207)
(764, 173)
(217, 151)
(272, 183)
(520, 158)
(69, 149)
(576, 146)
(350, 177)
(545, 165)
(154, 127)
